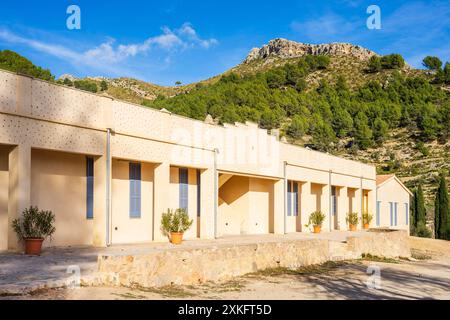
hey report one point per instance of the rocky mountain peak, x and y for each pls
(285, 49)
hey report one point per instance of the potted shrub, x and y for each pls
(33, 228)
(175, 223)
(352, 220)
(367, 219)
(316, 219)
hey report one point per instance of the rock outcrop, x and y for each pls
(285, 49)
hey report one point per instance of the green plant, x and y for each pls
(421, 230)
(367, 218)
(175, 221)
(34, 223)
(352, 218)
(316, 218)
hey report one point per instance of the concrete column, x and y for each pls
(307, 204)
(357, 202)
(371, 207)
(207, 204)
(19, 188)
(278, 207)
(100, 207)
(161, 198)
(342, 207)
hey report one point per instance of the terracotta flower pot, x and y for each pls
(176, 237)
(33, 246)
(366, 226)
(317, 229)
(352, 227)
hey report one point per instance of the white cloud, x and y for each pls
(170, 40)
(107, 55)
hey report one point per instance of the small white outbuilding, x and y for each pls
(392, 203)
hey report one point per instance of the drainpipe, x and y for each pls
(285, 164)
(108, 186)
(330, 199)
(216, 194)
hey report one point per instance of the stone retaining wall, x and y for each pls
(192, 266)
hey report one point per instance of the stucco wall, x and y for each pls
(234, 206)
(392, 191)
(58, 183)
(4, 187)
(124, 228)
(192, 197)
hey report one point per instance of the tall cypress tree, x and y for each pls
(420, 209)
(437, 218)
(442, 209)
(413, 222)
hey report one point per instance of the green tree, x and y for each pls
(446, 74)
(342, 122)
(442, 210)
(298, 127)
(380, 130)
(68, 82)
(323, 136)
(392, 61)
(374, 64)
(86, 85)
(432, 63)
(419, 211)
(269, 119)
(363, 134)
(103, 85)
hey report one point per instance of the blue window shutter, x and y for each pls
(135, 190)
(183, 182)
(289, 199)
(391, 210)
(89, 188)
(395, 213)
(295, 199)
(407, 213)
(199, 188)
(378, 212)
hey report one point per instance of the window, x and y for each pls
(183, 182)
(135, 190)
(407, 213)
(198, 192)
(292, 199)
(395, 213)
(89, 188)
(391, 212)
(378, 212)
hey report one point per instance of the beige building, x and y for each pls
(109, 169)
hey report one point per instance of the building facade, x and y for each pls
(109, 169)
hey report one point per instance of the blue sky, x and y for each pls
(167, 41)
